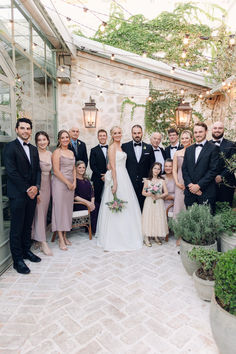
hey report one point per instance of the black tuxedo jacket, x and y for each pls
(138, 170)
(21, 174)
(97, 163)
(204, 171)
(82, 151)
(167, 151)
(228, 148)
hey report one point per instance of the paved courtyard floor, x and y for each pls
(88, 301)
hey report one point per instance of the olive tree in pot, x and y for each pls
(223, 304)
(228, 222)
(203, 277)
(196, 227)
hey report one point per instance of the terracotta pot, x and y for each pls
(205, 288)
(223, 326)
(191, 265)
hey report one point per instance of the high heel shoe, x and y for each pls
(158, 241)
(147, 242)
(45, 249)
(36, 245)
(67, 242)
(62, 246)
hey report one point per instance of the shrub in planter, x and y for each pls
(196, 226)
(204, 276)
(223, 305)
(228, 221)
(225, 281)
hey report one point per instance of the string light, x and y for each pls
(201, 96)
(149, 98)
(113, 57)
(184, 54)
(144, 55)
(229, 90)
(62, 68)
(68, 19)
(232, 39)
(182, 92)
(223, 83)
(18, 78)
(187, 63)
(103, 26)
(100, 93)
(59, 79)
(85, 9)
(34, 45)
(78, 82)
(186, 39)
(172, 69)
(207, 92)
(98, 77)
(205, 70)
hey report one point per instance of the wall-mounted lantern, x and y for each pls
(183, 115)
(90, 114)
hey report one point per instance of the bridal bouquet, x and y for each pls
(116, 205)
(154, 189)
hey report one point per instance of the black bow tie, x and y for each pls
(26, 144)
(156, 149)
(104, 146)
(174, 147)
(137, 144)
(216, 141)
(201, 145)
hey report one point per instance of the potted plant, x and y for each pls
(203, 277)
(196, 227)
(223, 304)
(228, 221)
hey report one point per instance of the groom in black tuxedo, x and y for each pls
(140, 157)
(200, 168)
(225, 179)
(23, 182)
(98, 164)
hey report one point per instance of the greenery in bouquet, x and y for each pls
(225, 281)
(227, 217)
(197, 225)
(116, 205)
(155, 189)
(208, 259)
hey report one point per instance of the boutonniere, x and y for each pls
(78, 142)
(144, 147)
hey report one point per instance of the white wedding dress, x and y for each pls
(120, 231)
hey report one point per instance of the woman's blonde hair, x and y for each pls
(80, 162)
(187, 132)
(111, 133)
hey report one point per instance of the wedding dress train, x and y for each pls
(120, 231)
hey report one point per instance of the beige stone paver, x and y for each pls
(89, 301)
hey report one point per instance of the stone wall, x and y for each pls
(71, 97)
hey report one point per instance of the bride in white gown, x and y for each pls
(119, 231)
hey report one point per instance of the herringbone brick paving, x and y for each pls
(88, 301)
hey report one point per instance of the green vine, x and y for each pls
(134, 106)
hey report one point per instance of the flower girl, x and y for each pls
(154, 220)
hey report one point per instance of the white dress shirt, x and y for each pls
(173, 151)
(159, 157)
(199, 149)
(25, 147)
(138, 151)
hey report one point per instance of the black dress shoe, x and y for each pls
(21, 267)
(32, 257)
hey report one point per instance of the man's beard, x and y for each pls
(217, 137)
(137, 139)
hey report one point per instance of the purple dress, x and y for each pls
(179, 193)
(170, 184)
(62, 197)
(40, 216)
(84, 190)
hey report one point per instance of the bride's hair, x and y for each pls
(111, 133)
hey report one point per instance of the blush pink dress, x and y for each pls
(179, 193)
(40, 217)
(62, 197)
